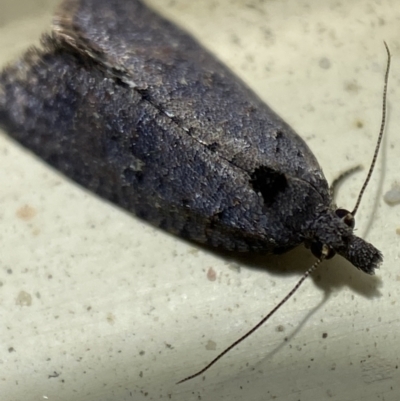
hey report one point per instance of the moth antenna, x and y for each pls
(263, 320)
(338, 180)
(383, 121)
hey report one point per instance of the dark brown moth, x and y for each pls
(133, 108)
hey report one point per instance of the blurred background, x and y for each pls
(97, 305)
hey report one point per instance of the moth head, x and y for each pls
(333, 232)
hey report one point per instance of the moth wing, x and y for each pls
(188, 84)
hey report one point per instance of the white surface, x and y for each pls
(121, 310)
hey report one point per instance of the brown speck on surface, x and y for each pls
(141, 353)
(359, 124)
(26, 213)
(352, 86)
(24, 299)
(398, 230)
(324, 335)
(211, 274)
(211, 345)
(110, 318)
(11, 349)
(324, 63)
(280, 328)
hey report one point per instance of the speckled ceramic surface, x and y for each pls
(97, 305)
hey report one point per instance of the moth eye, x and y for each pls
(346, 217)
(316, 249)
(268, 182)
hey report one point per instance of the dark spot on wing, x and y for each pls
(213, 146)
(144, 93)
(268, 182)
(132, 176)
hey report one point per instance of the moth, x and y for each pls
(131, 107)
(134, 109)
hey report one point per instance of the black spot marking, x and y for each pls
(279, 141)
(185, 203)
(164, 224)
(132, 176)
(215, 220)
(144, 93)
(268, 182)
(175, 119)
(213, 146)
